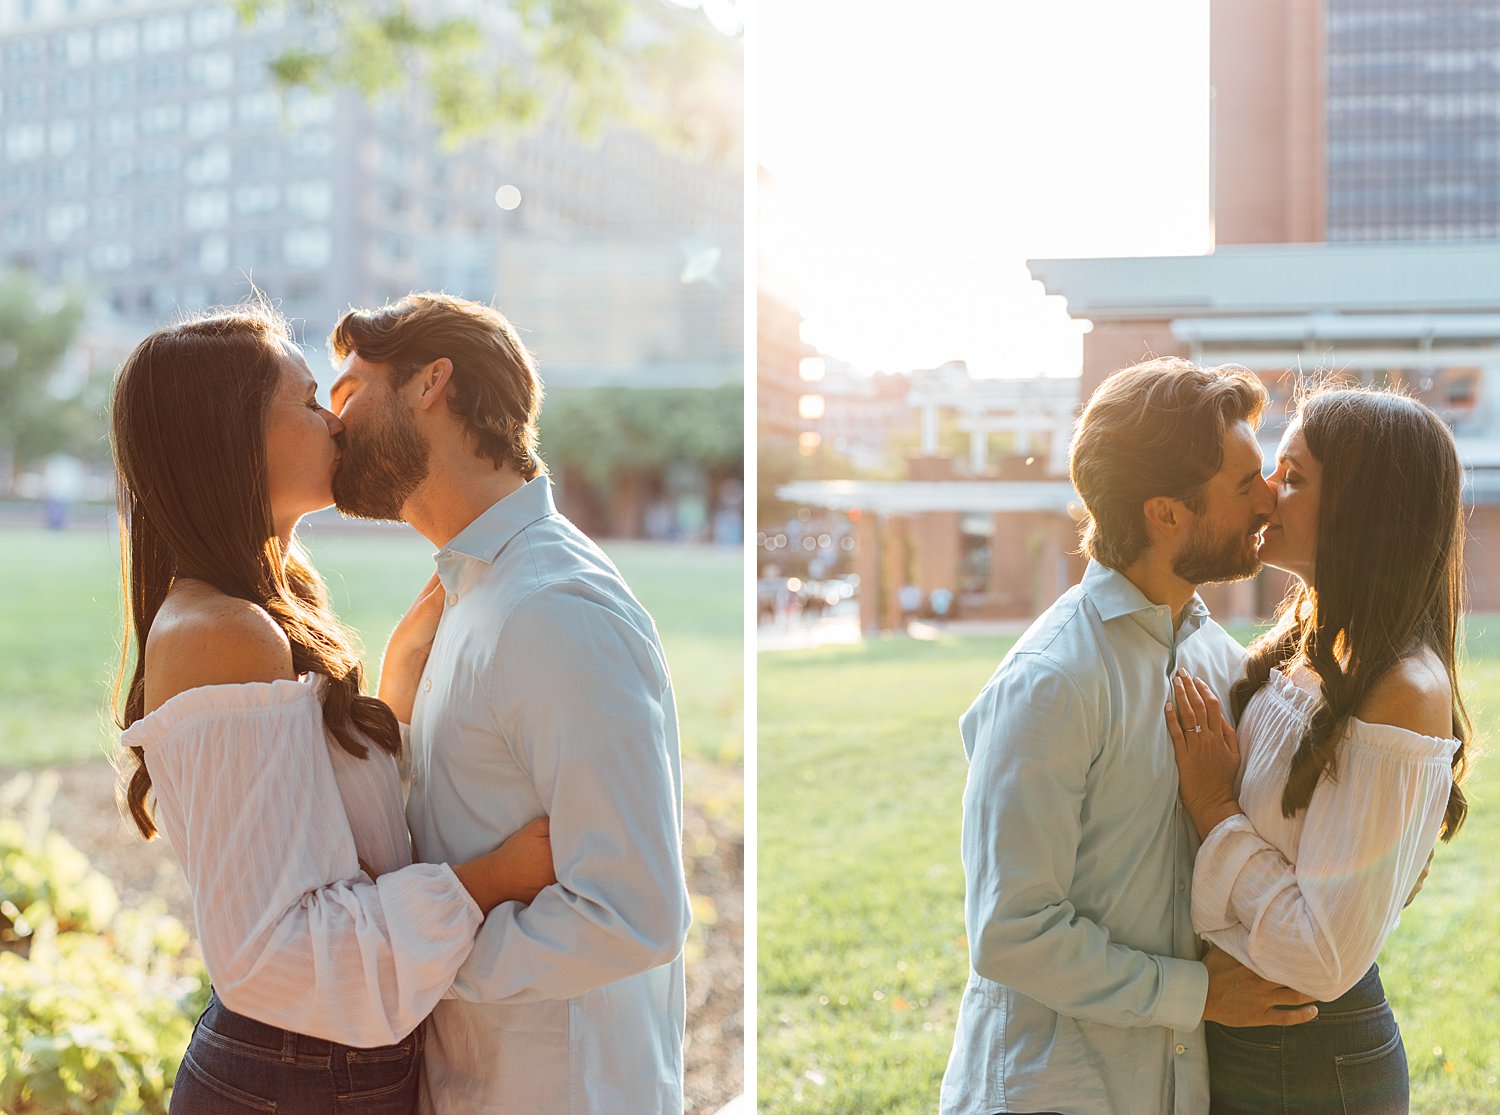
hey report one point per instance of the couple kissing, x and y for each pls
(509, 939)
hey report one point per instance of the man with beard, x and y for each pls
(1087, 994)
(545, 693)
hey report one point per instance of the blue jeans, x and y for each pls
(1347, 1061)
(236, 1064)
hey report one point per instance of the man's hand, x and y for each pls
(1238, 997)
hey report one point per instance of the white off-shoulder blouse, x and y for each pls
(269, 817)
(1308, 900)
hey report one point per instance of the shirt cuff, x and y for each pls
(1184, 993)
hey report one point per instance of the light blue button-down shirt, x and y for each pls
(1086, 994)
(547, 693)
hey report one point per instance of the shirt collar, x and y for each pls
(1113, 595)
(486, 536)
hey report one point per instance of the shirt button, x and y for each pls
(453, 598)
(1182, 1049)
(427, 688)
(1181, 887)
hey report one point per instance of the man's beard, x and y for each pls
(381, 465)
(1206, 560)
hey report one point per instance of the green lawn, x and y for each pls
(59, 629)
(862, 956)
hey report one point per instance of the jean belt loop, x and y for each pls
(288, 1046)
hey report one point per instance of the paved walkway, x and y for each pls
(843, 630)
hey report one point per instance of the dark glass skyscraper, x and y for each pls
(1412, 119)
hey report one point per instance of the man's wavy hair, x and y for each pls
(1153, 429)
(496, 390)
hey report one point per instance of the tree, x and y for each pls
(604, 433)
(648, 64)
(37, 324)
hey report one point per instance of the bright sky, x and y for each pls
(922, 151)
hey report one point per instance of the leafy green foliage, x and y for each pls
(96, 1003)
(602, 432)
(640, 63)
(37, 324)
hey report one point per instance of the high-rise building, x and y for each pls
(1355, 120)
(1356, 171)
(146, 153)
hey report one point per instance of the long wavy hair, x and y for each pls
(1387, 575)
(188, 432)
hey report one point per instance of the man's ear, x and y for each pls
(1164, 517)
(433, 382)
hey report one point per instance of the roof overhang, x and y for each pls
(895, 497)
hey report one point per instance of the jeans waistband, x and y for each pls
(286, 1045)
(1368, 992)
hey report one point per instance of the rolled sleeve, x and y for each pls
(1031, 738)
(1317, 924)
(293, 932)
(586, 709)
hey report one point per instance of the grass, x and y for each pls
(862, 954)
(59, 629)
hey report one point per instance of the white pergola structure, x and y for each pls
(917, 523)
(1035, 409)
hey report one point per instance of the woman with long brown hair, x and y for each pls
(274, 776)
(1319, 817)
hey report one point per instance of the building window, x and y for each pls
(213, 255)
(310, 200)
(161, 119)
(163, 33)
(63, 221)
(309, 145)
(110, 257)
(206, 209)
(252, 201)
(305, 108)
(208, 118)
(24, 142)
(18, 228)
(214, 69)
(162, 78)
(117, 41)
(78, 48)
(211, 25)
(159, 165)
(211, 164)
(63, 138)
(308, 248)
(259, 108)
(117, 129)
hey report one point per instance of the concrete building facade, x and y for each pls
(146, 153)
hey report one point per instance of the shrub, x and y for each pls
(96, 1003)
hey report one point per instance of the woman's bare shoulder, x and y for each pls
(203, 637)
(1414, 694)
